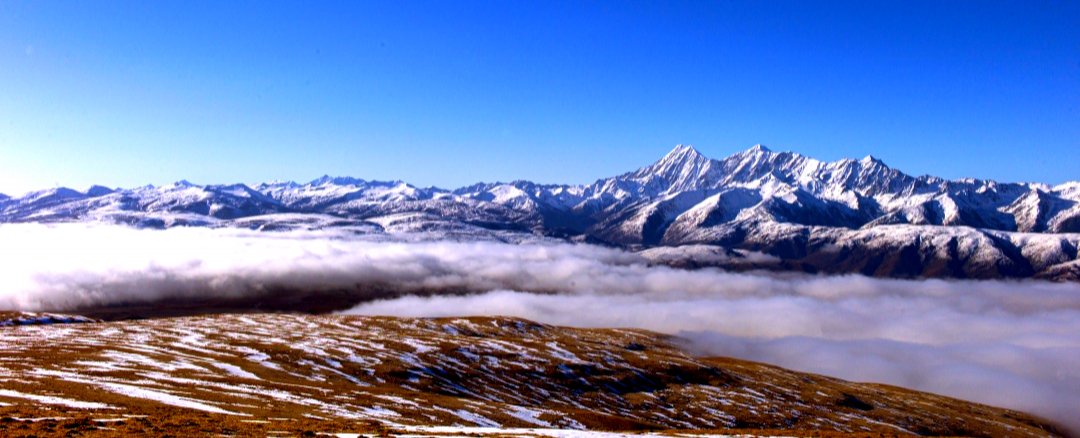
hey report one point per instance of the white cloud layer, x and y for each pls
(1013, 344)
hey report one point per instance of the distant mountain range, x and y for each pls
(757, 209)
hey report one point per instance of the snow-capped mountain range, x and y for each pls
(755, 209)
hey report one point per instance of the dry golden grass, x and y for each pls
(253, 374)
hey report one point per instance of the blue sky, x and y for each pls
(447, 93)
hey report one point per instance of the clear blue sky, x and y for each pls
(446, 93)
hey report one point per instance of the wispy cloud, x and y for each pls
(1006, 344)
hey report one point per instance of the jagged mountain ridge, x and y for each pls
(781, 203)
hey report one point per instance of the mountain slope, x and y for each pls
(781, 203)
(220, 373)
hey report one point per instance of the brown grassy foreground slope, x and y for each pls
(303, 374)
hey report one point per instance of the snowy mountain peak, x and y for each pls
(872, 160)
(684, 158)
(682, 152)
(336, 180)
(683, 168)
(96, 190)
(759, 155)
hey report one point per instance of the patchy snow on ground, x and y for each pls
(50, 400)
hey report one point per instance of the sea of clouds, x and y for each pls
(1008, 343)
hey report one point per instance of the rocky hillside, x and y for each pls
(260, 373)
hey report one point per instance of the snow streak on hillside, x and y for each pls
(1010, 343)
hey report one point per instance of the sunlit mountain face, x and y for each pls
(777, 211)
